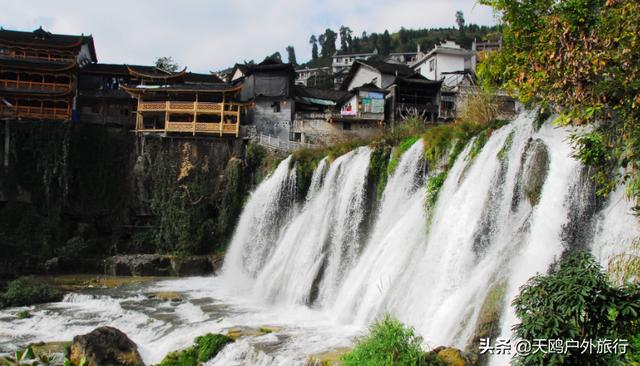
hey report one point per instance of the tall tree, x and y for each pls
(167, 64)
(460, 19)
(291, 56)
(328, 43)
(346, 39)
(385, 46)
(314, 47)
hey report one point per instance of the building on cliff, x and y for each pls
(39, 73)
(326, 116)
(407, 93)
(183, 102)
(267, 88)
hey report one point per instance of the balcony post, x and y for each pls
(195, 114)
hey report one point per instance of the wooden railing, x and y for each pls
(199, 128)
(35, 112)
(34, 55)
(199, 107)
(35, 85)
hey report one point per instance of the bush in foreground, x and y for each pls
(576, 301)
(388, 344)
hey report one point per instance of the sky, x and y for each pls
(212, 35)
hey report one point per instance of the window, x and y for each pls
(346, 125)
(95, 108)
(432, 64)
(276, 107)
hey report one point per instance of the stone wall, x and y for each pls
(268, 120)
(316, 130)
(75, 191)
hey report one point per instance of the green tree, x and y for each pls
(314, 47)
(167, 64)
(576, 302)
(328, 43)
(581, 58)
(291, 56)
(345, 38)
(385, 43)
(460, 19)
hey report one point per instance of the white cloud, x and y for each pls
(209, 35)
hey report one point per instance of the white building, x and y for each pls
(343, 61)
(303, 75)
(444, 60)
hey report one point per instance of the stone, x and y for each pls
(139, 265)
(191, 266)
(165, 296)
(454, 357)
(105, 346)
(329, 358)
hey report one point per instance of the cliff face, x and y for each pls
(80, 192)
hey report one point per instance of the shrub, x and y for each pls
(27, 291)
(479, 108)
(575, 301)
(389, 343)
(205, 348)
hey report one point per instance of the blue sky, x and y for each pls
(211, 35)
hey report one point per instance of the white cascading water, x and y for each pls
(321, 270)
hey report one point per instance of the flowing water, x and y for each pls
(322, 269)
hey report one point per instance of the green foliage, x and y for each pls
(582, 57)
(23, 314)
(389, 343)
(575, 301)
(205, 348)
(68, 362)
(506, 147)
(209, 345)
(434, 184)
(187, 357)
(478, 144)
(27, 291)
(397, 152)
(625, 267)
(378, 167)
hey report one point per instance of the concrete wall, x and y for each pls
(444, 63)
(269, 122)
(319, 131)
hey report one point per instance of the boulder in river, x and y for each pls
(105, 346)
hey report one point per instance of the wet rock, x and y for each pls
(105, 346)
(329, 358)
(192, 266)
(532, 174)
(162, 265)
(138, 265)
(488, 323)
(536, 171)
(165, 296)
(239, 332)
(455, 357)
(449, 356)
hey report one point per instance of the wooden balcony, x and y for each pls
(35, 85)
(227, 112)
(189, 107)
(35, 112)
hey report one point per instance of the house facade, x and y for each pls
(444, 59)
(314, 77)
(267, 90)
(407, 93)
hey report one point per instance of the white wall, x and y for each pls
(364, 76)
(443, 63)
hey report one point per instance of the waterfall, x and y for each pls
(501, 217)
